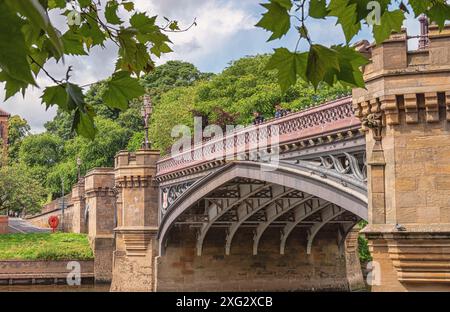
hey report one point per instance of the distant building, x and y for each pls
(4, 117)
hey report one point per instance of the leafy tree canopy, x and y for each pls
(19, 190)
(230, 98)
(18, 128)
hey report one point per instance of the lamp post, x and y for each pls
(146, 111)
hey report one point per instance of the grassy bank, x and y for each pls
(45, 246)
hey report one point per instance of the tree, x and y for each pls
(19, 191)
(41, 150)
(28, 41)
(230, 97)
(340, 63)
(18, 129)
(172, 74)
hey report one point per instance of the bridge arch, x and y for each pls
(333, 193)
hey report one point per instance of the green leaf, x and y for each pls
(60, 4)
(92, 32)
(84, 3)
(174, 26)
(439, 13)
(12, 86)
(13, 58)
(390, 21)
(73, 43)
(129, 6)
(120, 89)
(419, 6)
(275, 20)
(83, 124)
(157, 50)
(346, 14)
(111, 13)
(75, 97)
(318, 8)
(55, 95)
(142, 23)
(38, 17)
(349, 72)
(287, 4)
(40, 57)
(289, 65)
(321, 60)
(134, 56)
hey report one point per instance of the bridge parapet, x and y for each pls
(327, 123)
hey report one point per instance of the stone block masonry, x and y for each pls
(325, 269)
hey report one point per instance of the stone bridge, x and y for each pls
(274, 206)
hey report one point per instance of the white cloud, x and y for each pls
(217, 21)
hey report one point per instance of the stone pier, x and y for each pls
(406, 114)
(101, 207)
(136, 248)
(79, 221)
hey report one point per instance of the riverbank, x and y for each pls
(45, 246)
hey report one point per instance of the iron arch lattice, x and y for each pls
(296, 188)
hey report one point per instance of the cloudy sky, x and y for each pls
(224, 32)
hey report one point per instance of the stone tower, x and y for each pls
(405, 111)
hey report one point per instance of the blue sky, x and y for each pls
(225, 32)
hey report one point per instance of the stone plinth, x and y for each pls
(135, 251)
(3, 224)
(405, 112)
(101, 206)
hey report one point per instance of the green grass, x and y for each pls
(45, 246)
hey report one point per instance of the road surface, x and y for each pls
(19, 225)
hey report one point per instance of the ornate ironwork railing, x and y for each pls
(328, 118)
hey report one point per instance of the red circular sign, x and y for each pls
(53, 221)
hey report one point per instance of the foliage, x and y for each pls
(363, 247)
(19, 190)
(18, 128)
(230, 98)
(45, 246)
(29, 41)
(136, 141)
(339, 63)
(41, 150)
(100, 152)
(169, 113)
(172, 74)
(226, 98)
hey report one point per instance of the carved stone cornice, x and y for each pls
(99, 192)
(138, 239)
(134, 181)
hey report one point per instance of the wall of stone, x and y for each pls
(180, 269)
(15, 270)
(41, 220)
